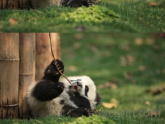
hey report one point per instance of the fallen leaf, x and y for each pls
(147, 102)
(130, 59)
(106, 53)
(138, 41)
(113, 100)
(163, 71)
(154, 114)
(13, 21)
(140, 18)
(94, 49)
(76, 45)
(72, 68)
(127, 60)
(78, 36)
(33, 18)
(101, 86)
(125, 46)
(142, 68)
(110, 85)
(128, 75)
(149, 41)
(156, 91)
(154, 4)
(109, 105)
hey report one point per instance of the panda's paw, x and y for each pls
(88, 112)
(78, 112)
(59, 86)
(74, 3)
(47, 90)
(89, 2)
(58, 66)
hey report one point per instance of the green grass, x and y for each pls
(100, 57)
(132, 16)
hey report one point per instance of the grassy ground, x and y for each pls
(106, 16)
(134, 62)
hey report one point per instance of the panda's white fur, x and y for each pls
(53, 107)
(85, 80)
(44, 3)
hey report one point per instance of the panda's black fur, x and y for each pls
(71, 3)
(51, 97)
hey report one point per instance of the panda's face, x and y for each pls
(86, 88)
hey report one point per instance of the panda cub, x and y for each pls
(51, 97)
(71, 3)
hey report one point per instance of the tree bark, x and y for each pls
(25, 71)
(43, 51)
(9, 74)
(24, 4)
(14, 4)
(34, 58)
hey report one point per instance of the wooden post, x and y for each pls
(10, 4)
(9, 74)
(56, 45)
(24, 4)
(14, 4)
(43, 51)
(26, 70)
(34, 59)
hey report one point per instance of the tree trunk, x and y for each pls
(34, 59)
(14, 4)
(9, 74)
(24, 4)
(56, 45)
(26, 70)
(43, 51)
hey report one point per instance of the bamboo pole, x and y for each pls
(56, 45)
(9, 72)
(14, 4)
(34, 59)
(24, 4)
(8, 4)
(43, 51)
(26, 70)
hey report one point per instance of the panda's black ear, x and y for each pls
(97, 99)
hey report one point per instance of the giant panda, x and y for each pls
(48, 96)
(71, 3)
